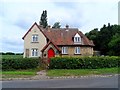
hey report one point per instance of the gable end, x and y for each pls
(31, 29)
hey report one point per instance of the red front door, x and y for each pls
(51, 53)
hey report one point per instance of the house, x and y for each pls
(50, 42)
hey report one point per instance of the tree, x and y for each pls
(10, 53)
(92, 35)
(56, 25)
(43, 19)
(114, 45)
(107, 40)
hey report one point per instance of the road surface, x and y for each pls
(88, 82)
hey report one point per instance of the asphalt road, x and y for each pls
(90, 82)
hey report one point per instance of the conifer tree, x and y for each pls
(43, 19)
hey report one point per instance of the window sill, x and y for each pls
(34, 42)
(77, 43)
(64, 53)
(34, 56)
(77, 54)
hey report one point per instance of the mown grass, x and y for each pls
(19, 73)
(81, 72)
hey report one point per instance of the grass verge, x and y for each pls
(19, 73)
(81, 72)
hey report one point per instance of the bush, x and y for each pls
(10, 53)
(19, 63)
(83, 62)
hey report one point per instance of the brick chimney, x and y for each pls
(67, 27)
(49, 28)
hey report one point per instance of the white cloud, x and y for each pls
(17, 16)
(97, 14)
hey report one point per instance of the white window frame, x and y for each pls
(34, 52)
(64, 50)
(77, 39)
(77, 50)
(34, 38)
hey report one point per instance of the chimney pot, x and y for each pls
(67, 26)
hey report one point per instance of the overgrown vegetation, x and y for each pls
(84, 62)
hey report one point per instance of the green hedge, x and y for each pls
(83, 62)
(19, 63)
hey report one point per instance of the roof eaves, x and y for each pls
(48, 45)
(29, 30)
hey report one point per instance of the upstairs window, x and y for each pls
(35, 38)
(77, 39)
(34, 52)
(77, 50)
(64, 50)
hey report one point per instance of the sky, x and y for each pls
(17, 16)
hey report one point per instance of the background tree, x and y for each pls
(114, 45)
(107, 39)
(92, 35)
(56, 25)
(43, 19)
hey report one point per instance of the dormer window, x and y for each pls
(35, 38)
(77, 39)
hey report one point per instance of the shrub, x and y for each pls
(83, 62)
(19, 63)
(10, 53)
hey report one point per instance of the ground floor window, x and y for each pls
(77, 50)
(64, 50)
(34, 52)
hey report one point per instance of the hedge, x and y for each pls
(84, 62)
(19, 63)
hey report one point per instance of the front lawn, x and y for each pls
(81, 72)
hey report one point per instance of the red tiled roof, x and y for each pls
(62, 36)
(65, 37)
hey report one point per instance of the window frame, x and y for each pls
(77, 39)
(34, 52)
(35, 38)
(77, 50)
(64, 50)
